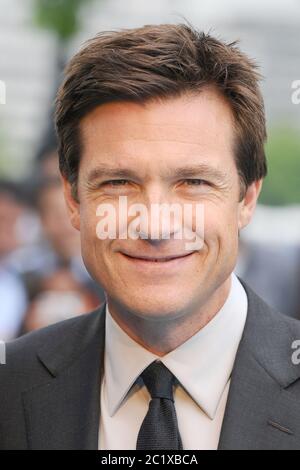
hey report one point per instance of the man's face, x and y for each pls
(176, 151)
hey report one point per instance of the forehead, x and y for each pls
(190, 126)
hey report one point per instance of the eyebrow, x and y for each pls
(187, 171)
(107, 172)
(203, 169)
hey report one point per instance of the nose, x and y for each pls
(163, 218)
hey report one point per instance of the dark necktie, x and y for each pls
(159, 430)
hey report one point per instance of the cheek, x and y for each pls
(94, 249)
(88, 220)
(221, 224)
(88, 235)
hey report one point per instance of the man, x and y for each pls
(183, 355)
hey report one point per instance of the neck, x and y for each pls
(162, 337)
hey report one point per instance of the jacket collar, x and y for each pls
(268, 337)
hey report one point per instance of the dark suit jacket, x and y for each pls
(50, 386)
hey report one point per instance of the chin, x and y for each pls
(156, 306)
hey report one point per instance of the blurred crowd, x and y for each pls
(42, 276)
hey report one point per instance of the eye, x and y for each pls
(196, 182)
(116, 182)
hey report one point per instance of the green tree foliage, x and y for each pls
(60, 16)
(282, 185)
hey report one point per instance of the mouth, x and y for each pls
(142, 261)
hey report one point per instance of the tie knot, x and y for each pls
(159, 380)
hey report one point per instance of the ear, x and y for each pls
(248, 204)
(73, 205)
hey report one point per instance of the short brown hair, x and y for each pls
(161, 61)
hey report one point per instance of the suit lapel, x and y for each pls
(263, 410)
(64, 412)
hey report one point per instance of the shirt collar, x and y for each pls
(202, 364)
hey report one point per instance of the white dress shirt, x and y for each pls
(202, 366)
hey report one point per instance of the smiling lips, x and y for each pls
(157, 259)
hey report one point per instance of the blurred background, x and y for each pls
(42, 276)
